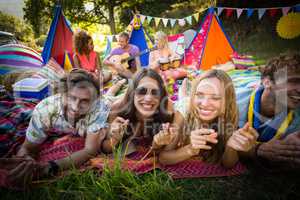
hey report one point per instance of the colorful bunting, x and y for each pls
(239, 12)
(172, 22)
(220, 9)
(189, 19)
(273, 12)
(285, 10)
(261, 12)
(249, 12)
(157, 20)
(149, 19)
(143, 17)
(196, 16)
(229, 12)
(165, 21)
(181, 22)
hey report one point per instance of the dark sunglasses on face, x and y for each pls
(143, 91)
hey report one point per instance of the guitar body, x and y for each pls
(121, 60)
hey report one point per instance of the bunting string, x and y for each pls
(229, 12)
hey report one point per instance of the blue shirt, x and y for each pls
(243, 98)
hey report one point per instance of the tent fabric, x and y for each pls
(59, 39)
(210, 46)
(176, 43)
(138, 38)
(18, 57)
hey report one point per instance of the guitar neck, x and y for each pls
(139, 54)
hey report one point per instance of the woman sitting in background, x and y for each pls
(86, 58)
(207, 124)
(139, 116)
(163, 59)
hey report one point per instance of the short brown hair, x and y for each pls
(124, 35)
(79, 78)
(288, 61)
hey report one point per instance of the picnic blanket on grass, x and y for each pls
(15, 115)
(135, 162)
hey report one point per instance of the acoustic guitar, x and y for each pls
(125, 59)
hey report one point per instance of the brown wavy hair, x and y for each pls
(227, 122)
(81, 40)
(129, 111)
(79, 78)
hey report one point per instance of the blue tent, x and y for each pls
(138, 38)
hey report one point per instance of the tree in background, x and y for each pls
(21, 30)
(40, 12)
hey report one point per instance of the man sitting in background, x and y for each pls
(124, 47)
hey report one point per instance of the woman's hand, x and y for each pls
(118, 128)
(243, 139)
(164, 137)
(202, 139)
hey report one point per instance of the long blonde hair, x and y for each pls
(227, 120)
(161, 36)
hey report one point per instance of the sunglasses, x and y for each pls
(142, 91)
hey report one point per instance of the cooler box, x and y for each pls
(33, 88)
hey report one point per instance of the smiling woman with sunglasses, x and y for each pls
(141, 114)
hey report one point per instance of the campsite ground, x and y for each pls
(157, 185)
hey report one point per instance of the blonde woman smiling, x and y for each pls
(207, 124)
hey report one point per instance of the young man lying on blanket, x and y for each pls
(77, 110)
(273, 110)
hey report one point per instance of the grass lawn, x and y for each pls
(115, 184)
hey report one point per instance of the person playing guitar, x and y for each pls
(125, 51)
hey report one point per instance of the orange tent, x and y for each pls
(210, 46)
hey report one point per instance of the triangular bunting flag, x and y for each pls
(172, 22)
(239, 12)
(108, 47)
(142, 17)
(181, 22)
(189, 19)
(229, 12)
(211, 10)
(273, 12)
(149, 19)
(249, 12)
(109, 38)
(196, 16)
(157, 20)
(165, 21)
(285, 10)
(261, 12)
(220, 9)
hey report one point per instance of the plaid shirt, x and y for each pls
(48, 117)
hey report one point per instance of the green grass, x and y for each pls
(117, 184)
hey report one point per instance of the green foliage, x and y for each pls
(113, 184)
(20, 29)
(257, 37)
(117, 184)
